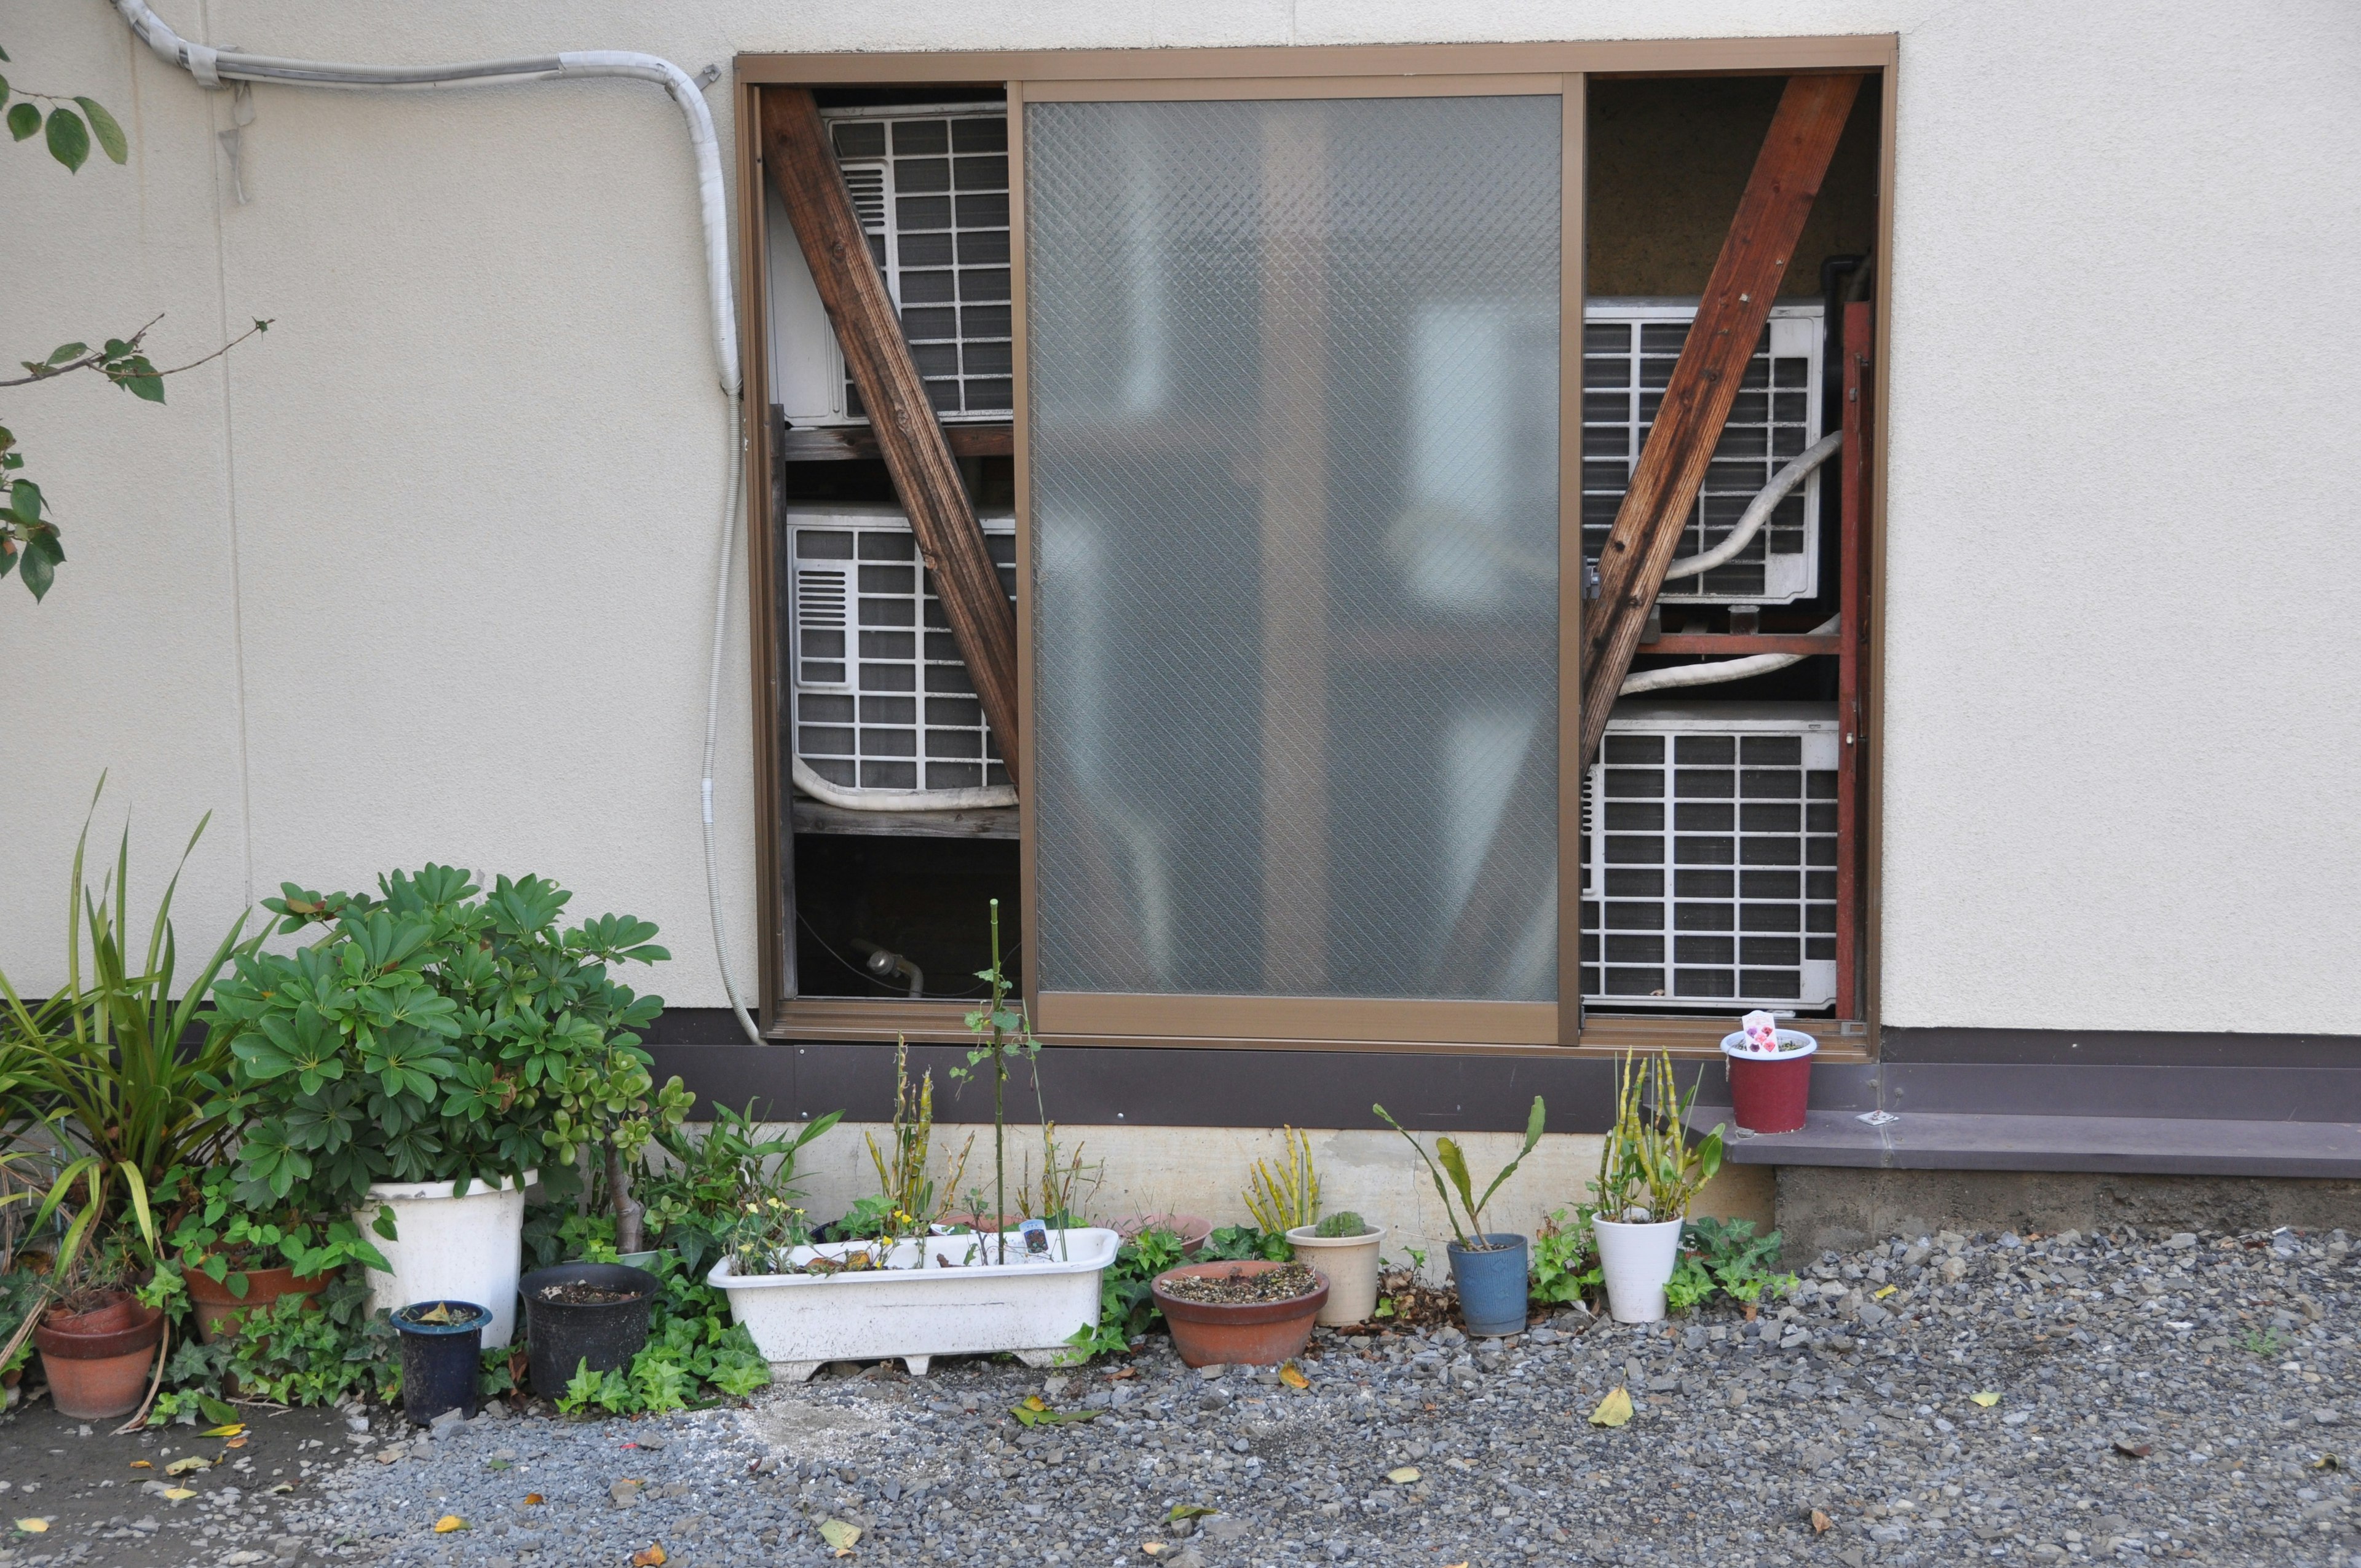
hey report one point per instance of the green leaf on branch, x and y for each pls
(24, 120)
(65, 351)
(39, 572)
(102, 126)
(69, 140)
(25, 500)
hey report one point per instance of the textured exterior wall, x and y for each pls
(427, 572)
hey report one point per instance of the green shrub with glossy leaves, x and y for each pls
(436, 1032)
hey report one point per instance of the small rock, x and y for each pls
(624, 1493)
(2181, 1241)
(1226, 1526)
(2327, 1417)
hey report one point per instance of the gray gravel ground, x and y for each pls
(2183, 1397)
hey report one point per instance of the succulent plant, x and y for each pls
(1347, 1223)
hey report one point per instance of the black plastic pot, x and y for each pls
(440, 1361)
(562, 1338)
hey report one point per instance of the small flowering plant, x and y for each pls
(764, 1240)
(1764, 1038)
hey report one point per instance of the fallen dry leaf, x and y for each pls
(142, 1464)
(1987, 1400)
(2328, 1462)
(1881, 1295)
(1822, 1523)
(1154, 1548)
(840, 1535)
(235, 1442)
(2134, 1450)
(532, 1499)
(33, 1527)
(182, 1466)
(1190, 1511)
(448, 1523)
(283, 1488)
(229, 1429)
(1403, 1476)
(1293, 1377)
(178, 1494)
(1613, 1411)
(654, 1557)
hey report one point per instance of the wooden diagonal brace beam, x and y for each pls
(1738, 300)
(804, 171)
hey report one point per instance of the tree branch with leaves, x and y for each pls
(28, 530)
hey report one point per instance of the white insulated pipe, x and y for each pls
(1719, 670)
(212, 67)
(1758, 510)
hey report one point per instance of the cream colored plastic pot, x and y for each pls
(1350, 1264)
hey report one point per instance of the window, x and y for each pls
(1295, 390)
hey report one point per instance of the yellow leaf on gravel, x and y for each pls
(1986, 1401)
(654, 1557)
(532, 1499)
(1613, 1411)
(178, 1494)
(1403, 1476)
(141, 1464)
(1292, 1375)
(840, 1535)
(32, 1527)
(448, 1523)
(182, 1466)
(1881, 1295)
(1822, 1523)
(1154, 1548)
(1033, 1402)
(232, 1429)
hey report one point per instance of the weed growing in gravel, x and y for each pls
(2264, 1343)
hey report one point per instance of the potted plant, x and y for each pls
(107, 1109)
(434, 1053)
(1285, 1201)
(232, 1262)
(583, 1317)
(912, 1290)
(1648, 1172)
(1248, 1312)
(1487, 1268)
(442, 1350)
(710, 1177)
(1770, 1075)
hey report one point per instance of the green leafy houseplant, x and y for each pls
(219, 1238)
(1471, 1237)
(695, 1198)
(434, 1034)
(1648, 1170)
(106, 1110)
(1565, 1258)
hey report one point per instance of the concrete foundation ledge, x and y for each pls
(1823, 1208)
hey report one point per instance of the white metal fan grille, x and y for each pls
(931, 190)
(1628, 347)
(880, 697)
(1710, 856)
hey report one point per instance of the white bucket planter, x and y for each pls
(450, 1248)
(1030, 1305)
(1350, 1265)
(1637, 1260)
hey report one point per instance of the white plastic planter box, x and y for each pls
(450, 1248)
(951, 1306)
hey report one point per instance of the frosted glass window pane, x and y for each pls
(1293, 384)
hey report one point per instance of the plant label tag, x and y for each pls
(1036, 1234)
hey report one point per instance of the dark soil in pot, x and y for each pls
(1235, 1288)
(579, 1315)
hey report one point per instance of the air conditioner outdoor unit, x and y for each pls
(1628, 347)
(931, 185)
(1709, 857)
(880, 697)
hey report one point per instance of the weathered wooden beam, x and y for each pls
(1705, 382)
(804, 171)
(837, 443)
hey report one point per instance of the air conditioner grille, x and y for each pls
(1628, 348)
(1709, 861)
(931, 190)
(881, 698)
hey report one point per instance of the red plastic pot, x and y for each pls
(97, 1363)
(1250, 1333)
(217, 1307)
(1769, 1092)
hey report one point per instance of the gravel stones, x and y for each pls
(1740, 1431)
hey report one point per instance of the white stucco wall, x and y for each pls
(426, 573)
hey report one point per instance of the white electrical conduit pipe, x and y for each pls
(1719, 670)
(212, 67)
(1758, 510)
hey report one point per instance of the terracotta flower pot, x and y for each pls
(217, 1308)
(1251, 1333)
(97, 1376)
(1192, 1228)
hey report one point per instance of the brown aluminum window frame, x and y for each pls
(1417, 1024)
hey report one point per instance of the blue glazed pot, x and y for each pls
(1492, 1286)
